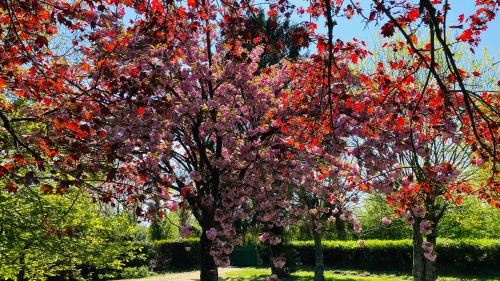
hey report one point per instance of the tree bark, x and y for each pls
(430, 266)
(418, 269)
(208, 268)
(278, 251)
(318, 256)
(340, 227)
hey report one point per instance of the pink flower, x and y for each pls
(211, 233)
(386, 221)
(427, 246)
(332, 219)
(429, 252)
(185, 231)
(357, 227)
(165, 194)
(227, 248)
(275, 240)
(430, 255)
(279, 262)
(264, 237)
(172, 206)
(273, 277)
(313, 211)
(120, 11)
(215, 251)
(419, 211)
(425, 227)
(222, 262)
(408, 218)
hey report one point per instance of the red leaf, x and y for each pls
(466, 35)
(12, 187)
(141, 111)
(191, 3)
(413, 14)
(400, 121)
(388, 29)
(272, 13)
(101, 133)
(354, 58)
(71, 126)
(156, 6)
(46, 188)
(61, 189)
(461, 18)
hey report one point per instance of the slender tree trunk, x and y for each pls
(318, 256)
(418, 269)
(208, 268)
(430, 266)
(340, 227)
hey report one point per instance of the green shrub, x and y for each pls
(465, 256)
(374, 255)
(454, 256)
(176, 254)
(135, 272)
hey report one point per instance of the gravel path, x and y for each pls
(183, 276)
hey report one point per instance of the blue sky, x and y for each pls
(355, 28)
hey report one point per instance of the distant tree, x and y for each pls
(371, 214)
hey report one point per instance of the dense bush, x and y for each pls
(171, 255)
(64, 236)
(466, 256)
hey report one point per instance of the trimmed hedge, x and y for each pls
(168, 255)
(374, 255)
(464, 256)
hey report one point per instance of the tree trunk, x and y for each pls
(208, 268)
(340, 227)
(418, 269)
(430, 266)
(318, 256)
(278, 251)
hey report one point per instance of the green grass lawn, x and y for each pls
(257, 274)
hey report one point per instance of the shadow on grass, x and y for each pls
(292, 278)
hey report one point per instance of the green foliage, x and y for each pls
(176, 254)
(68, 237)
(375, 208)
(466, 256)
(166, 228)
(135, 272)
(471, 219)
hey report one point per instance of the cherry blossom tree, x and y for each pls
(164, 101)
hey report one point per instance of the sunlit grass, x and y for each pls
(255, 274)
(258, 274)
